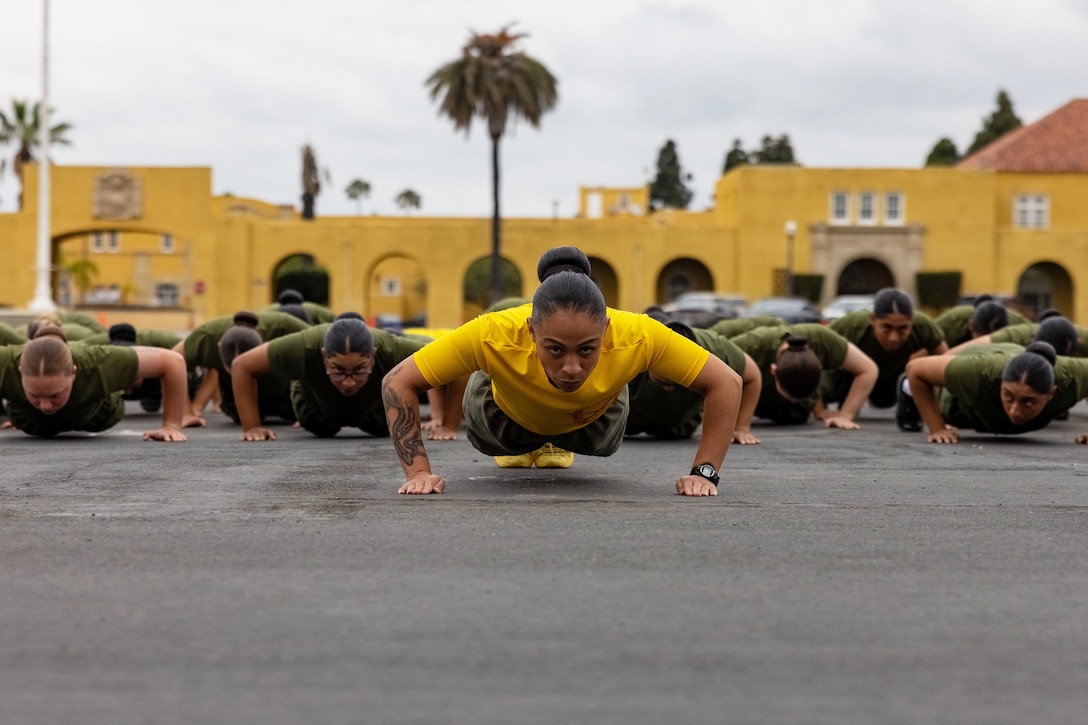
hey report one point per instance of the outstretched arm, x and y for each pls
(865, 373)
(156, 362)
(752, 380)
(244, 372)
(925, 374)
(400, 393)
(721, 388)
(446, 410)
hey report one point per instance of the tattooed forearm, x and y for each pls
(404, 428)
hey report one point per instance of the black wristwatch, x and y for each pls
(706, 471)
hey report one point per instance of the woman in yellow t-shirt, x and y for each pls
(549, 379)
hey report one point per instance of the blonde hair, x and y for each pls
(47, 354)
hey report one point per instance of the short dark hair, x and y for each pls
(241, 337)
(1059, 333)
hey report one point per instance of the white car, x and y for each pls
(844, 304)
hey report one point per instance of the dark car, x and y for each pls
(703, 309)
(791, 309)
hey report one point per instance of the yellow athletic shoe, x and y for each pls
(548, 456)
(525, 460)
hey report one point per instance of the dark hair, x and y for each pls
(890, 301)
(290, 297)
(47, 353)
(349, 315)
(296, 310)
(798, 369)
(565, 284)
(241, 337)
(983, 298)
(122, 334)
(347, 336)
(988, 317)
(1048, 313)
(1034, 367)
(681, 328)
(1058, 332)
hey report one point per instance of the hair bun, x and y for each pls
(797, 343)
(245, 318)
(48, 329)
(291, 297)
(562, 259)
(1043, 349)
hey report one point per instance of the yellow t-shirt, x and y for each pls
(499, 344)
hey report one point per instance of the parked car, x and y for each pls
(845, 304)
(791, 309)
(703, 309)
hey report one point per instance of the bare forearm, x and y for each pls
(175, 395)
(402, 415)
(857, 395)
(209, 384)
(720, 411)
(245, 399)
(749, 399)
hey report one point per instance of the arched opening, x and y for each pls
(864, 277)
(301, 272)
(397, 294)
(110, 267)
(1044, 285)
(605, 277)
(680, 276)
(477, 285)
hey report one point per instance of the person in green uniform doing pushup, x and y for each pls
(52, 387)
(891, 335)
(663, 409)
(998, 388)
(791, 360)
(964, 322)
(213, 347)
(336, 372)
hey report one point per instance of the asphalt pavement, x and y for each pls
(839, 577)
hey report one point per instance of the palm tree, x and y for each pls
(358, 189)
(82, 272)
(493, 81)
(23, 128)
(408, 200)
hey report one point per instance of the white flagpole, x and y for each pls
(43, 291)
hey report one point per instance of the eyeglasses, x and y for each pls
(338, 376)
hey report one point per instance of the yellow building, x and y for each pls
(1010, 218)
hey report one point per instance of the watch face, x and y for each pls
(707, 470)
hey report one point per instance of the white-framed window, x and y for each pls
(867, 208)
(1031, 211)
(167, 294)
(893, 208)
(97, 244)
(840, 207)
(112, 243)
(624, 202)
(167, 244)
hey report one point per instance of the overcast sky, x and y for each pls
(240, 86)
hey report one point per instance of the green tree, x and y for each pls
(737, 156)
(82, 273)
(408, 200)
(944, 153)
(775, 151)
(477, 282)
(997, 124)
(668, 190)
(358, 189)
(22, 128)
(493, 81)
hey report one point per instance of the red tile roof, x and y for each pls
(1056, 143)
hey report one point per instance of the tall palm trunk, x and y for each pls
(496, 241)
